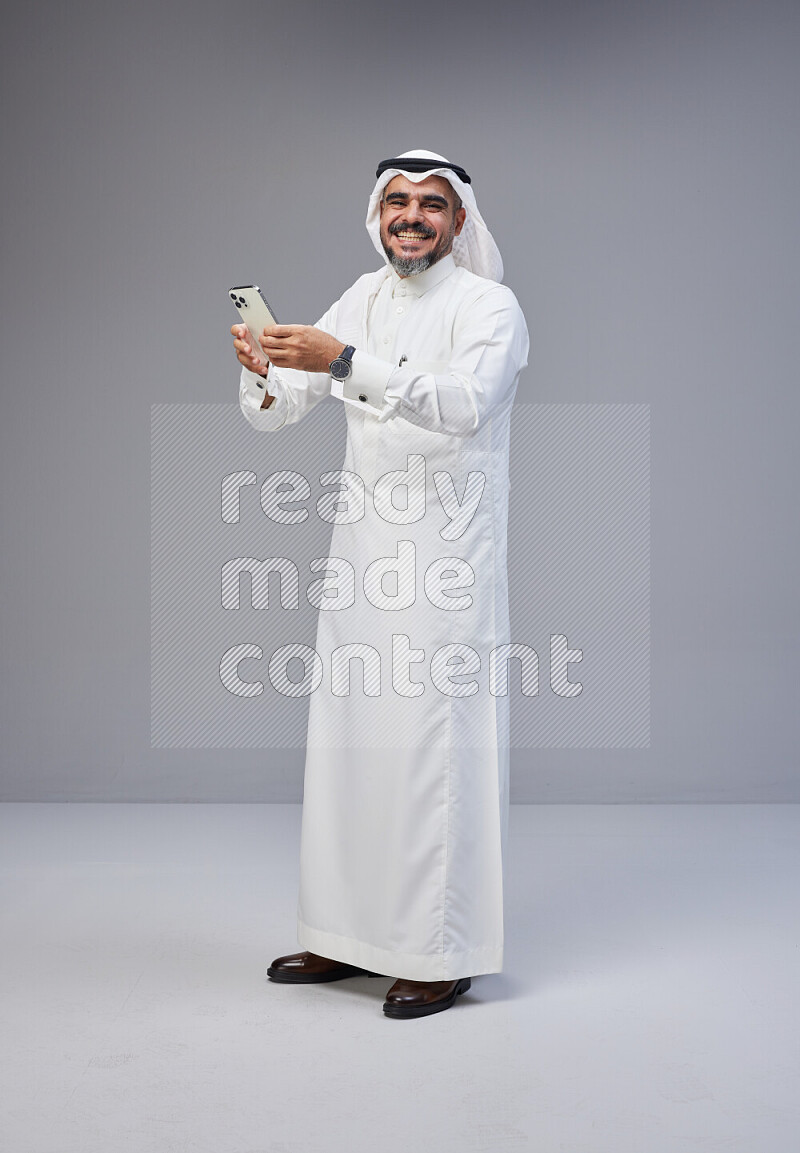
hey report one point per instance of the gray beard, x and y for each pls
(411, 265)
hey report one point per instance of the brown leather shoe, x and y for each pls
(307, 968)
(419, 998)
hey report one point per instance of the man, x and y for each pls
(406, 784)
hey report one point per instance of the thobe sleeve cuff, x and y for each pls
(252, 390)
(366, 384)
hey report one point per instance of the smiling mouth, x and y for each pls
(405, 236)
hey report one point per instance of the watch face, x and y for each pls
(340, 368)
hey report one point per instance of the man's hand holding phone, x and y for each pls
(256, 313)
(248, 356)
(261, 341)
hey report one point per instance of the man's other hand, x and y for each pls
(300, 346)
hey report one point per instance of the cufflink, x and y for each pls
(361, 396)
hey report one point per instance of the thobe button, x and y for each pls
(400, 309)
(361, 396)
(386, 340)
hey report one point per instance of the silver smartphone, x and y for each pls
(254, 311)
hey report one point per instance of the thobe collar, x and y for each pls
(423, 282)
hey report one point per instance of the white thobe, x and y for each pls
(405, 803)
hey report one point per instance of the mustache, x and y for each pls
(422, 230)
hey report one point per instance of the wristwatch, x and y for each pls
(342, 366)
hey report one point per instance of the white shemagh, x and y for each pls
(474, 249)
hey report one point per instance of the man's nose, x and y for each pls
(413, 211)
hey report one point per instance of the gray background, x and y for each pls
(638, 165)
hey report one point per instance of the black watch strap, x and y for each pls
(342, 365)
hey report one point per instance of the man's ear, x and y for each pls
(461, 216)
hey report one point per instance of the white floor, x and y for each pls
(649, 1002)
